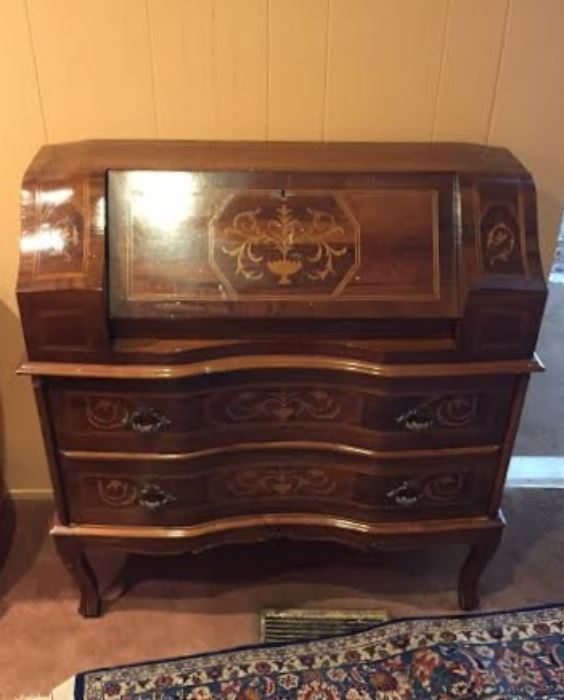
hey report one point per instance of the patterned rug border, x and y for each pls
(304, 647)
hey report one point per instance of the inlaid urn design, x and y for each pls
(283, 244)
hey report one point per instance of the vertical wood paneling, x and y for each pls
(384, 66)
(94, 65)
(282, 69)
(182, 32)
(22, 133)
(528, 114)
(21, 128)
(474, 39)
(297, 58)
(240, 68)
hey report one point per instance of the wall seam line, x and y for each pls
(152, 61)
(267, 77)
(36, 71)
(214, 67)
(445, 33)
(498, 72)
(324, 116)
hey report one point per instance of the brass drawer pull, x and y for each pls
(153, 497)
(416, 419)
(404, 495)
(147, 421)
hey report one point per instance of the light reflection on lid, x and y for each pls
(162, 199)
(55, 197)
(100, 215)
(47, 239)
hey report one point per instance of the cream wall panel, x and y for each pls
(383, 70)
(182, 34)
(334, 69)
(528, 114)
(240, 68)
(475, 32)
(297, 32)
(94, 63)
(22, 132)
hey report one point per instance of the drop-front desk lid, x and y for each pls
(189, 241)
(264, 244)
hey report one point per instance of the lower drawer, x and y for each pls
(179, 490)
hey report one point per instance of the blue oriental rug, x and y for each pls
(497, 656)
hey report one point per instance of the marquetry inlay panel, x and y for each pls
(283, 482)
(285, 405)
(242, 487)
(284, 243)
(117, 492)
(378, 414)
(106, 413)
(56, 229)
(197, 244)
(502, 229)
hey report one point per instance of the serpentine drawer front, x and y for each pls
(185, 416)
(231, 342)
(180, 491)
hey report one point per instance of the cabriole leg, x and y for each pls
(72, 553)
(481, 552)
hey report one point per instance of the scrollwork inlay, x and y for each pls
(282, 233)
(284, 405)
(444, 488)
(105, 413)
(500, 244)
(452, 411)
(277, 243)
(281, 482)
(116, 492)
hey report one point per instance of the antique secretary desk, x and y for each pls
(239, 341)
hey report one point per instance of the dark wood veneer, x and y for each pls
(232, 342)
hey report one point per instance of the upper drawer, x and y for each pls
(332, 407)
(259, 245)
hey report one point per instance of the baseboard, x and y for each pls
(542, 472)
(30, 494)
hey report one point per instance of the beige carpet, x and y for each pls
(197, 604)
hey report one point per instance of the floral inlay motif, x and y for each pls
(456, 411)
(284, 405)
(105, 413)
(444, 488)
(500, 244)
(280, 482)
(246, 236)
(280, 242)
(117, 493)
(502, 229)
